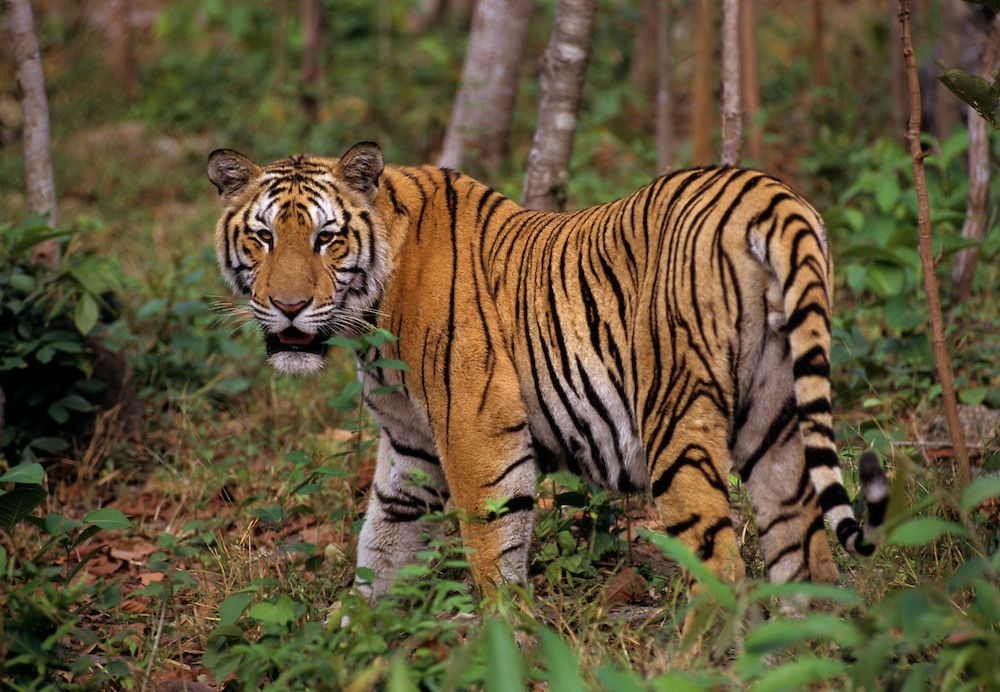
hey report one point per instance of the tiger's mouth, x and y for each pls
(292, 340)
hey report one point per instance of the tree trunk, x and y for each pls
(751, 85)
(37, 153)
(701, 112)
(477, 134)
(977, 209)
(311, 12)
(821, 68)
(564, 67)
(732, 111)
(949, 52)
(664, 89)
(119, 36)
(643, 70)
(941, 357)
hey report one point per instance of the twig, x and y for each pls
(941, 357)
(156, 645)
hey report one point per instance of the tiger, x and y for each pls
(655, 344)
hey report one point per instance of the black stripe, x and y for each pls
(805, 366)
(517, 503)
(707, 548)
(833, 496)
(682, 526)
(506, 472)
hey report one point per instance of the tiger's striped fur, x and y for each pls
(657, 342)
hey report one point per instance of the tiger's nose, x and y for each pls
(291, 310)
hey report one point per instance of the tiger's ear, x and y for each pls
(361, 166)
(231, 172)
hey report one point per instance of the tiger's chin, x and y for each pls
(295, 353)
(296, 363)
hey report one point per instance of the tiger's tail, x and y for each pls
(791, 239)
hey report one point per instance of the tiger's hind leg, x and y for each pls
(768, 453)
(689, 481)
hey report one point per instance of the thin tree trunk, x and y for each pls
(564, 67)
(821, 68)
(480, 121)
(897, 78)
(119, 35)
(941, 357)
(701, 112)
(751, 85)
(732, 111)
(664, 89)
(427, 14)
(311, 12)
(37, 152)
(977, 209)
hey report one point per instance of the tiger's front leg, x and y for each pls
(408, 485)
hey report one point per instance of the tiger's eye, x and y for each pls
(265, 236)
(324, 237)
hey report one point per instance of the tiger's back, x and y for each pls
(656, 342)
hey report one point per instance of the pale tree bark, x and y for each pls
(664, 88)
(732, 110)
(977, 208)
(751, 83)
(480, 121)
(120, 49)
(564, 67)
(37, 153)
(941, 357)
(311, 13)
(701, 97)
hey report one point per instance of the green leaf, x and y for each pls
(75, 402)
(344, 342)
(18, 504)
(682, 555)
(983, 96)
(887, 192)
(563, 673)
(976, 494)
(502, 654)
(108, 519)
(973, 396)
(279, 612)
(799, 674)
(886, 280)
(85, 314)
(782, 634)
(388, 364)
(232, 608)
(399, 678)
(618, 680)
(923, 530)
(823, 592)
(28, 473)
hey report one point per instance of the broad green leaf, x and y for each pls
(977, 493)
(683, 556)
(108, 519)
(57, 524)
(19, 503)
(344, 342)
(85, 314)
(973, 396)
(782, 634)
(232, 608)
(28, 473)
(983, 96)
(75, 402)
(799, 674)
(619, 680)
(503, 655)
(563, 672)
(923, 530)
(886, 280)
(277, 613)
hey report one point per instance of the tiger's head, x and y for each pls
(302, 239)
